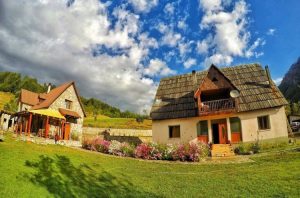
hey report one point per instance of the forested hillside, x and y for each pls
(13, 82)
(290, 87)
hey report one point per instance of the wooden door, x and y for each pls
(222, 133)
(67, 131)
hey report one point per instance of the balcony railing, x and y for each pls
(217, 106)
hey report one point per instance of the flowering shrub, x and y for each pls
(115, 148)
(143, 151)
(183, 152)
(100, 145)
(87, 143)
(127, 149)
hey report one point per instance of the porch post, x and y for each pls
(29, 124)
(228, 129)
(209, 132)
(47, 127)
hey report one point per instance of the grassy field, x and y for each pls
(120, 123)
(5, 97)
(31, 170)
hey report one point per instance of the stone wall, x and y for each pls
(122, 135)
(70, 94)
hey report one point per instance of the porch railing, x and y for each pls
(215, 106)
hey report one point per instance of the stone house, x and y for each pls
(219, 106)
(58, 111)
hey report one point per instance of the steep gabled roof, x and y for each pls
(176, 94)
(29, 97)
(48, 98)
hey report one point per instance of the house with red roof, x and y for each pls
(59, 112)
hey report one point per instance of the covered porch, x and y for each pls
(45, 123)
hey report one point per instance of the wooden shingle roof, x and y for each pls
(175, 95)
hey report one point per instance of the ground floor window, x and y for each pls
(202, 128)
(235, 125)
(263, 122)
(236, 129)
(174, 131)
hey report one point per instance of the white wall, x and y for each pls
(250, 132)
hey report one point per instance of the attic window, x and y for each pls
(214, 79)
(68, 104)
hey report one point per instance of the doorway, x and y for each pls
(219, 131)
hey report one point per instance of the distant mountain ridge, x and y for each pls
(290, 84)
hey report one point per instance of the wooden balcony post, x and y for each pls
(47, 127)
(210, 134)
(228, 129)
(29, 124)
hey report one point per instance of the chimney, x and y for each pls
(268, 74)
(194, 77)
(49, 88)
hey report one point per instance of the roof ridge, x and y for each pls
(205, 70)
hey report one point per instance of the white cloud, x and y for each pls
(189, 63)
(54, 43)
(169, 37)
(271, 31)
(169, 8)
(143, 5)
(277, 81)
(182, 24)
(157, 67)
(230, 37)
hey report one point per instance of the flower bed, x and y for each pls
(150, 151)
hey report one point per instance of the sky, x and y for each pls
(118, 51)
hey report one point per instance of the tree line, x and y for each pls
(13, 82)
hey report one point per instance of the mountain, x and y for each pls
(290, 85)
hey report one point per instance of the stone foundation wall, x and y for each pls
(122, 135)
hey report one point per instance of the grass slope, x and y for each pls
(5, 97)
(120, 123)
(31, 170)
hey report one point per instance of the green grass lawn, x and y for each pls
(31, 170)
(120, 123)
(5, 97)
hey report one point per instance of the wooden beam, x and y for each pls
(47, 127)
(29, 124)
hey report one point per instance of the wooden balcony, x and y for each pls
(217, 107)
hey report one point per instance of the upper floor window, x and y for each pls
(263, 122)
(68, 104)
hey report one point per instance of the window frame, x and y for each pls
(68, 102)
(170, 131)
(231, 123)
(199, 131)
(268, 123)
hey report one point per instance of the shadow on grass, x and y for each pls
(62, 179)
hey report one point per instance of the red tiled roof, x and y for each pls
(69, 113)
(29, 97)
(33, 99)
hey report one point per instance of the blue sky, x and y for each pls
(118, 50)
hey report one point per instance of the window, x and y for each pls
(174, 131)
(202, 128)
(68, 104)
(235, 125)
(263, 122)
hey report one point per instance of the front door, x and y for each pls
(67, 131)
(219, 131)
(222, 133)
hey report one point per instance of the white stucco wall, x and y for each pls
(23, 107)
(250, 132)
(70, 94)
